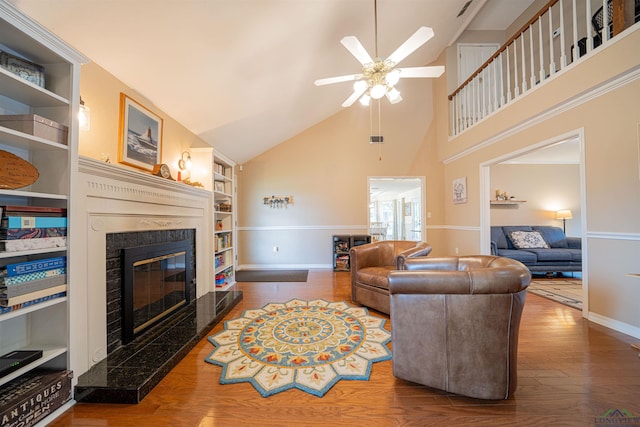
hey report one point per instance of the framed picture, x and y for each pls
(460, 190)
(407, 209)
(140, 135)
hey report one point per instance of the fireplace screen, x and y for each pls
(155, 285)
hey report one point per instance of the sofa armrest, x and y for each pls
(494, 248)
(420, 250)
(574, 242)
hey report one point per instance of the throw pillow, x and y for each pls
(528, 240)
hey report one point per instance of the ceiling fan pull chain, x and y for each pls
(379, 133)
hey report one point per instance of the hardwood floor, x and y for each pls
(570, 372)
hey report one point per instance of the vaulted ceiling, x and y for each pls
(239, 73)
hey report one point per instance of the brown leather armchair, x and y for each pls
(455, 323)
(370, 265)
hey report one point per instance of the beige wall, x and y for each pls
(603, 91)
(546, 189)
(325, 169)
(100, 91)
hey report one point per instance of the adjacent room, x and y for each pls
(268, 212)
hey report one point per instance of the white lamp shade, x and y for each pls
(564, 214)
(364, 100)
(378, 91)
(392, 77)
(359, 85)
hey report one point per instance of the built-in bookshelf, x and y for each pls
(39, 93)
(224, 222)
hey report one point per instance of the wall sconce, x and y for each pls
(564, 215)
(185, 162)
(84, 116)
(277, 201)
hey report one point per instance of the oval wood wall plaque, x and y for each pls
(15, 172)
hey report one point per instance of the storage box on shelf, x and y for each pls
(39, 129)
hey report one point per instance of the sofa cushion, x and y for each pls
(375, 276)
(528, 240)
(523, 256)
(507, 229)
(554, 236)
(552, 255)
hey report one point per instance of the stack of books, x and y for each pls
(31, 282)
(24, 228)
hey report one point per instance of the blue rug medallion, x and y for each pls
(308, 345)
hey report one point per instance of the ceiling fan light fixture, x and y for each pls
(394, 96)
(392, 77)
(364, 100)
(378, 91)
(359, 85)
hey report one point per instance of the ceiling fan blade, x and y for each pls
(354, 46)
(418, 38)
(338, 79)
(354, 96)
(411, 72)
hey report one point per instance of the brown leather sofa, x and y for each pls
(370, 265)
(455, 323)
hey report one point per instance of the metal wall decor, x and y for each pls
(277, 201)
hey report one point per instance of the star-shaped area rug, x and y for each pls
(308, 345)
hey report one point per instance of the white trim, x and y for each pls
(616, 325)
(301, 227)
(284, 266)
(454, 227)
(608, 235)
(626, 78)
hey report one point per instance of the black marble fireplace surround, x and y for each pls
(131, 370)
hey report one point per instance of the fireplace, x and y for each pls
(155, 285)
(161, 264)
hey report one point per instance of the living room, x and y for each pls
(325, 168)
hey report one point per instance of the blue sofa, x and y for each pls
(563, 254)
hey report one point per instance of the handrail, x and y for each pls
(504, 47)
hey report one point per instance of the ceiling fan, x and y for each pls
(379, 76)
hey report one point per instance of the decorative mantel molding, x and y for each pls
(110, 181)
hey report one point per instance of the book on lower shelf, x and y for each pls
(9, 291)
(32, 244)
(31, 266)
(21, 299)
(26, 304)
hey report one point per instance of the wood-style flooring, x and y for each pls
(571, 371)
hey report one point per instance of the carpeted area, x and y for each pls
(275, 275)
(308, 345)
(565, 291)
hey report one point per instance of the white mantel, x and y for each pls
(110, 199)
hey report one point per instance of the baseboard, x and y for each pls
(616, 325)
(284, 266)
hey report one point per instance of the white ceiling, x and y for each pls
(239, 73)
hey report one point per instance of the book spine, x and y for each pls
(6, 302)
(32, 286)
(29, 277)
(33, 222)
(12, 210)
(33, 266)
(30, 303)
(30, 244)
(32, 233)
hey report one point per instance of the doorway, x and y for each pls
(396, 208)
(566, 149)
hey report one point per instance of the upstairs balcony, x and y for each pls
(561, 34)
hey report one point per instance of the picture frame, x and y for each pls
(460, 190)
(140, 143)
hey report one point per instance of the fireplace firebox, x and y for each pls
(156, 280)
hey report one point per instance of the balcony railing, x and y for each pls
(543, 47)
